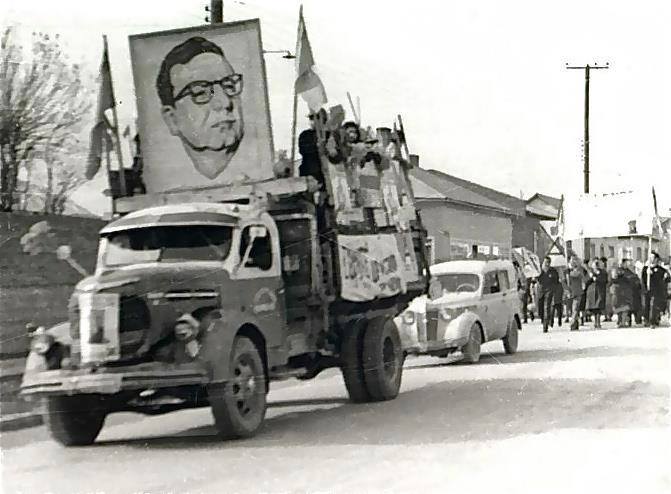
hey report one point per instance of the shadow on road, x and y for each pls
(547, 355)
(450, 412)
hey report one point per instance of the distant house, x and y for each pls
(463, 218)
(615, 226)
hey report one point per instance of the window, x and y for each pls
(504, 281)
(602, 251)
(260, 255)
(167, 244)
(592, 249)
(611, 251)
(491, 283)
(459, 282)
(639, 254)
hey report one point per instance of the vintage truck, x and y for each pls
(203, 297)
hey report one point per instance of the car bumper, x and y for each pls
(111, 381)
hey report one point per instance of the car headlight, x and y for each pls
(445, 315)
(408, 317)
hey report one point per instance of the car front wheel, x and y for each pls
(471, 350)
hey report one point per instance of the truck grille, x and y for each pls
(134, 320)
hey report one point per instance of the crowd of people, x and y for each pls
(587, 292)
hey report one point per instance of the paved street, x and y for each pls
(571, 412)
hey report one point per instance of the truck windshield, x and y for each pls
(459, 282)
(167, 244)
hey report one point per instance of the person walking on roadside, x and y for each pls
(623, 294)
(547, 285)
(636, 304)
(576, 288)
(584, 313)
(596, 292)
(558, 299)
(655, 280)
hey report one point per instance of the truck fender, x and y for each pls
(61, 334)
(217, 344)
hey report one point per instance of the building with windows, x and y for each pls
(464, 219)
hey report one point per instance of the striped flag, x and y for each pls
(99, 132)
(308, 84)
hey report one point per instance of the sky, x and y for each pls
(482, 86)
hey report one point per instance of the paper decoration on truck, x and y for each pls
(375, 266)
(202, 106)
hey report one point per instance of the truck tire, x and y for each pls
(239, 405)
(471, 350)
(351, 354)
(74, 420)
(511, 338)
(382, 359)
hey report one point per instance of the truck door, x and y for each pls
(258, 282)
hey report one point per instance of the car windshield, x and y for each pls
(459, 282)
(166, 244)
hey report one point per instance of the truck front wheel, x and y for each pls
(74, 420)
(239, 405)
(382, 359)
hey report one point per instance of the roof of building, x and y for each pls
(552, 201)
(507, 201)
(429, 185)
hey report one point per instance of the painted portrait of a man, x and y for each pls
(200, 96)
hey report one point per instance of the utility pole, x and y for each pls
(216, 11)
(587, 68)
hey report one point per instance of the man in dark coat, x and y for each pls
(655, 279)
(307, 146)
(636, 305)
(623, 294)
(547, 286)
(596, 292)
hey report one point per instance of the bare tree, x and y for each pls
(43, 102)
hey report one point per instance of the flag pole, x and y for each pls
(295, 108)
(108, 166)
(115, 124)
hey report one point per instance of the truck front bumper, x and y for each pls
(113, 380)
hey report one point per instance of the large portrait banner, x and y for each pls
(202, 103)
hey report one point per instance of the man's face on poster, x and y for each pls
(206, 113)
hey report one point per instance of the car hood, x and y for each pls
(454, 299)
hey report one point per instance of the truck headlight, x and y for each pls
(41, 341)
(186, 328)
(408, 317)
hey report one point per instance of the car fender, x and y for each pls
(460, 328)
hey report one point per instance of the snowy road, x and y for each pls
(570, 412)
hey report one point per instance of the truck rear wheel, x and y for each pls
(239, 405)
(74, 420)
(382, 359)
(351, 354)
